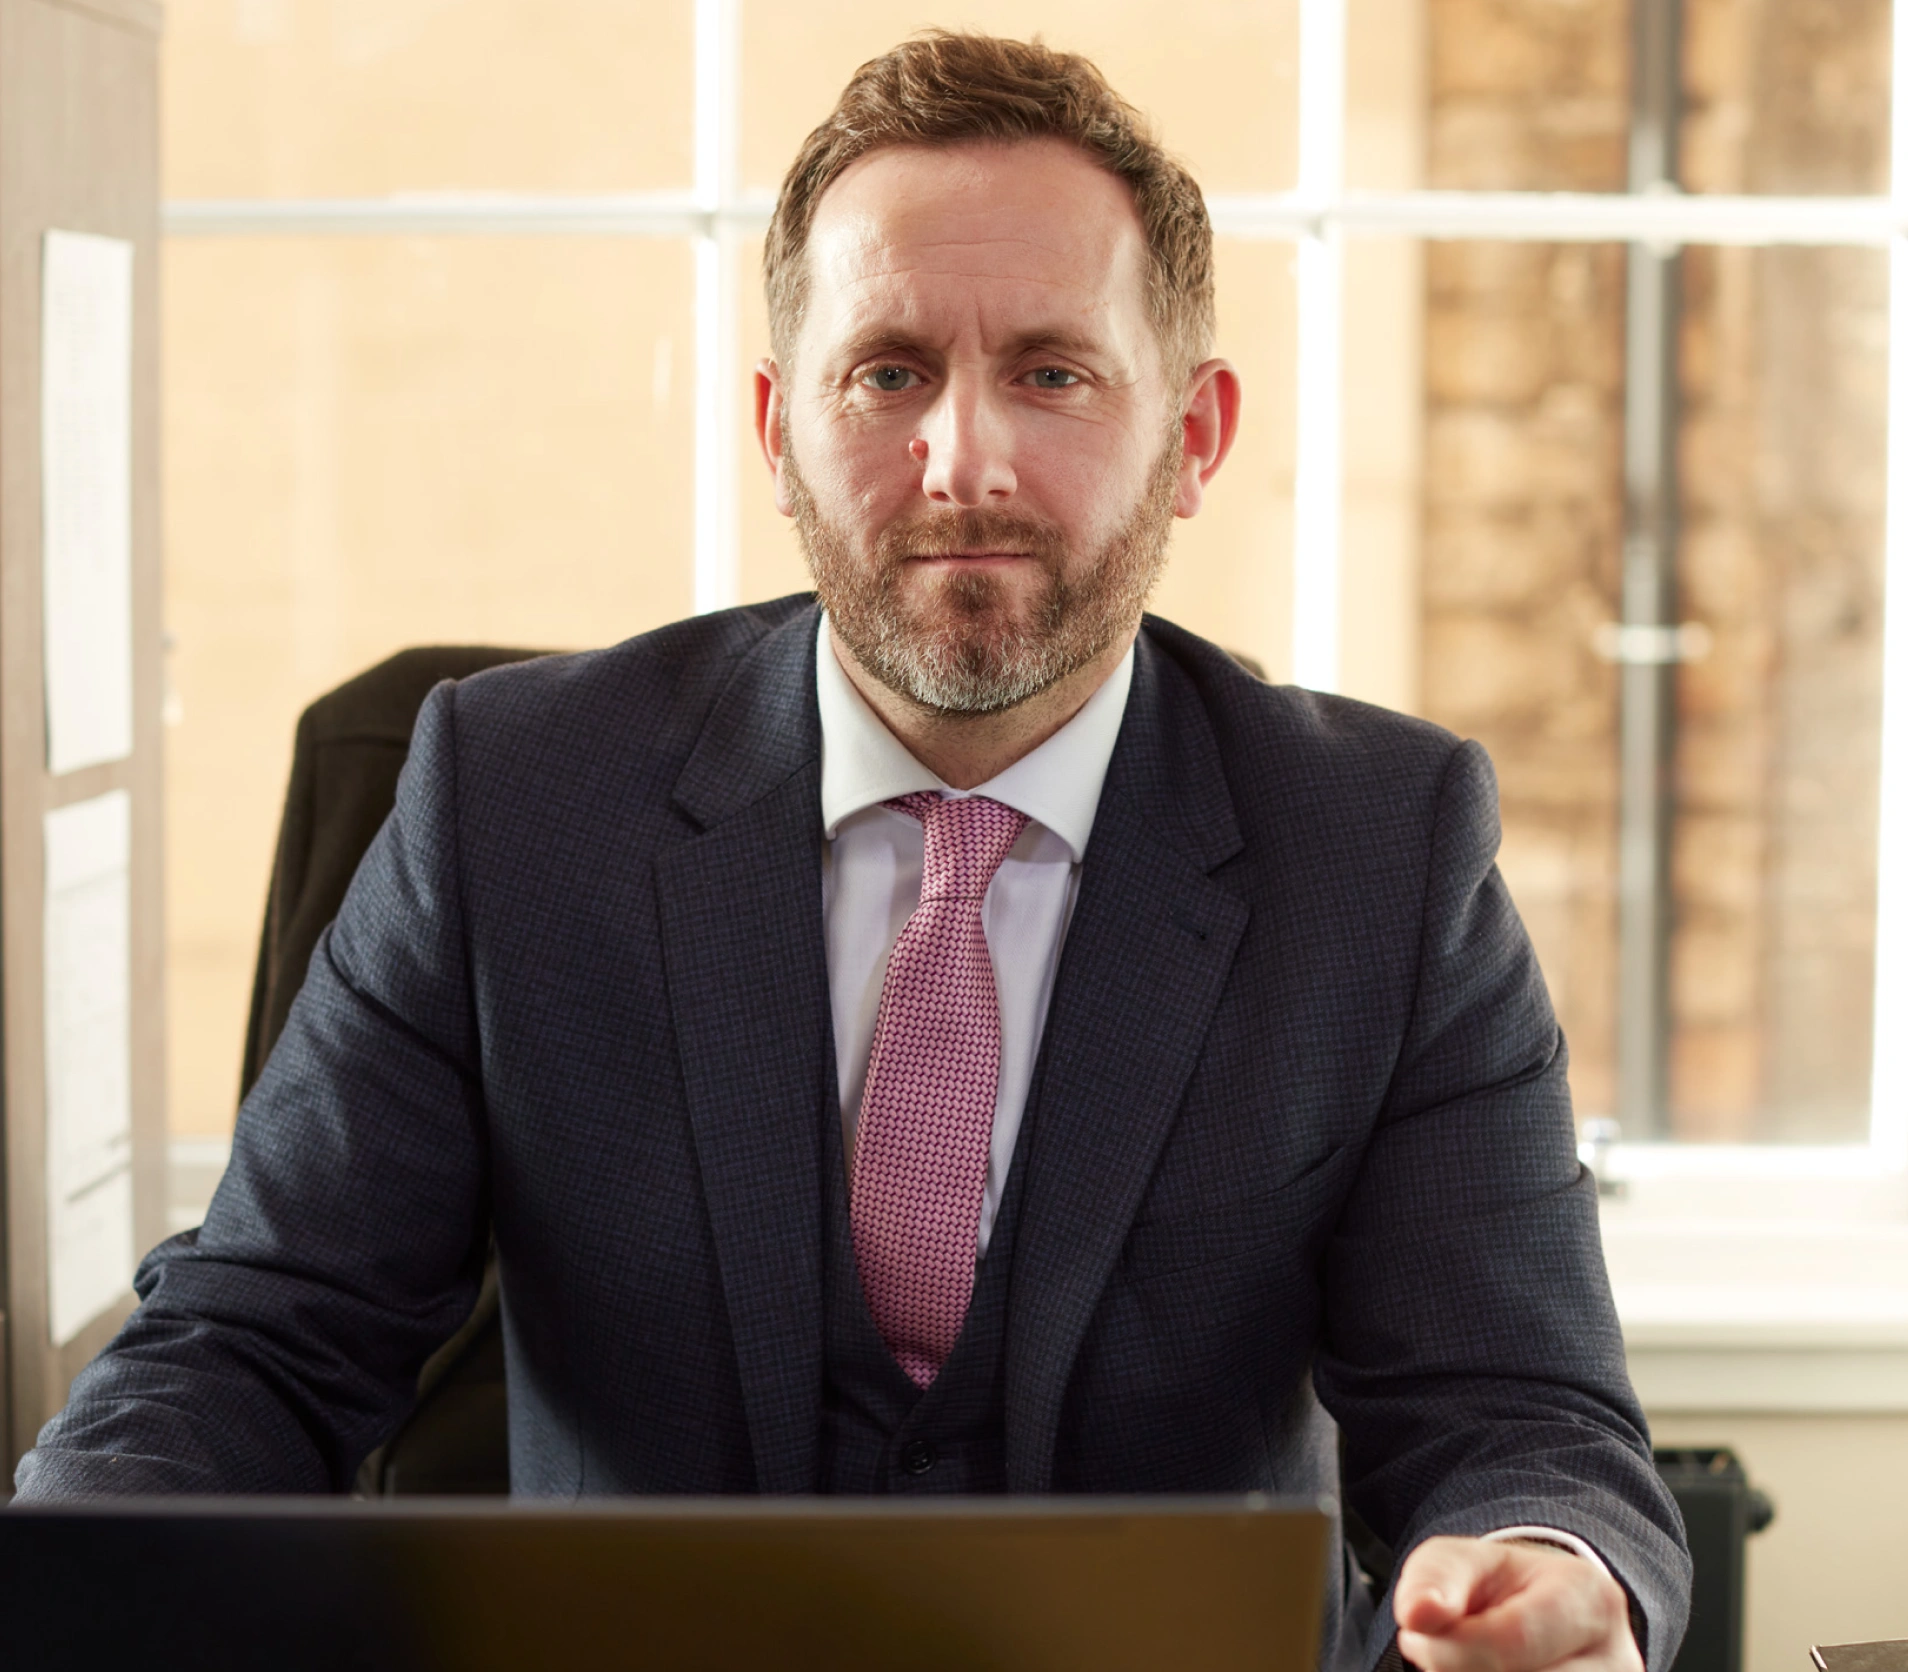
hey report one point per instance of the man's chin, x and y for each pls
(966, 634)
(957, 668)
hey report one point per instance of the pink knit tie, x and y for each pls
(927, 1115)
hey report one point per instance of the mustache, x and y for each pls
(967, 531)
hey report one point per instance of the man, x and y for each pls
(694, 968)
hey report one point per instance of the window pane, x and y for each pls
(375, 443)
(1217, 79)
(771, 563)
(1770, 841)
(1527, 95)
(1531, 95)
(1786, 98)
(1385, 88)
(1784, 476)
(1229, 574)
(315, 98)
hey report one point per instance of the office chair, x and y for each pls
(350, 746)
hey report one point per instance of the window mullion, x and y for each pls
(718, 368)
(1318, 471)
(1888, 1117)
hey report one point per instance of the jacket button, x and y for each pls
(917, 1457)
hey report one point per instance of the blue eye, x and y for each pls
(891, 379)
(1053, 377)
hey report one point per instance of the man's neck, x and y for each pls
(964, 750)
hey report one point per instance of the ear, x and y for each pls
(768, 429)
(1209, 428)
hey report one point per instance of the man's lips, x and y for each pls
(969, 557)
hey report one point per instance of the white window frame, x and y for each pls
(1811, 1200)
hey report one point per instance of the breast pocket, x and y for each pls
(1182, 1241)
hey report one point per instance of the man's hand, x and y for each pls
(1475, 1605)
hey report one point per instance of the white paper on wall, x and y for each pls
(88, 1060)
(86, 327)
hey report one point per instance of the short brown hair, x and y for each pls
(943, 88)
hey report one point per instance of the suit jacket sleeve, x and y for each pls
(278, 1344)
(1471, 1353)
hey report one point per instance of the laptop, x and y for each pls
(1009, 1585)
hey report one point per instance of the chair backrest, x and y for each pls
(349, 749)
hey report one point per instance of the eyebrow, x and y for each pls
(1058, 341)
(1064, 342)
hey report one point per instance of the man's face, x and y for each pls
(977, 437)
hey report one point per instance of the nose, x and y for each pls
(966, 446)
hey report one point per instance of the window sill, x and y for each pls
(1762, 1315)
(1819, 1379)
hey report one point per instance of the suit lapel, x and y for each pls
(1147, 956)
(740, 908)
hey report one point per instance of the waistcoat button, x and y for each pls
(917, 1457)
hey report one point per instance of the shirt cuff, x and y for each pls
(1556, 1537)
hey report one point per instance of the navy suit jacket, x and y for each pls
(1299, 1133)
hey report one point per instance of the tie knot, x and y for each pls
(966, 839)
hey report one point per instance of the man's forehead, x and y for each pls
(1034, 226)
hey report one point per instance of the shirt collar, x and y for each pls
(1057, 785)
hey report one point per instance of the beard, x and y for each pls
(965, 645)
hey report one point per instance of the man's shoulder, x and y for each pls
(1293, 736)
(647, 690)
(599, 739)
(681, 665)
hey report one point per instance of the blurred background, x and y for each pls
(379, 438)
(460, 298)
